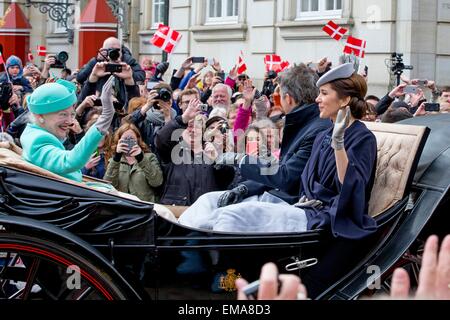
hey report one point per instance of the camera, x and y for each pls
(163, 95)
(60, 60)
(224, 127)
(113, 67)
(272, 75)
(114, 54)
(204, 107)
(397, 66)
(5, 94)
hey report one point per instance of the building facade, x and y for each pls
(289, 28)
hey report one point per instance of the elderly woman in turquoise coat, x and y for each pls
(53, 114)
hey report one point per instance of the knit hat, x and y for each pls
(15, 61)
(52, 97)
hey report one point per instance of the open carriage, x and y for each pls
(63, 240)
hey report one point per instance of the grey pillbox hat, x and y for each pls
(344, 71)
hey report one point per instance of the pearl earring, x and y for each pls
(41, 120)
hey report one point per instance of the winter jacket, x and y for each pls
(138, 179)
(187, 176)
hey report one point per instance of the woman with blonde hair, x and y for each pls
(132, 168)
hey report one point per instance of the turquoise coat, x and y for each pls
(45, 150)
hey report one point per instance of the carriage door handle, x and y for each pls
(298, 265)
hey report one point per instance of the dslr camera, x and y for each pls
(6, 93)
(164, 94)
(60, 60)
(113, 54)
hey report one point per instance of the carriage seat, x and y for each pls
(399, 148)
(11, 159)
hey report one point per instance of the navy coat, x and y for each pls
(345, 206)
(301, 128)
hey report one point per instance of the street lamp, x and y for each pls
(57, 11)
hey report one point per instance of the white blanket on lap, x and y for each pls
(258, 214)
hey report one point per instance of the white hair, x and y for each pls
(221, 85)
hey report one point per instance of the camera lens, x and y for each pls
(63, 56)
(164, 94)
(114, 54)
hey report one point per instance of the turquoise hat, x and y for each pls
(52, 97)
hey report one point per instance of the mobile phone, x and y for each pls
(113, 67)
(422, 83)
(198, 59)
(366, 70)
(251, 290)
(432, 107)
(98, 102)
(410, 89)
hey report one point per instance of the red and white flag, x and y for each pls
(272, 62)
(41, 51)
(242, 67)
(334, 30)
(166, 38)
(1, 58)
(284, 65)
(355, 46)
(30, 57)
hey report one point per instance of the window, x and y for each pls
(222, 11)
(316, 9)
(157, 13)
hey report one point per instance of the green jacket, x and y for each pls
(45, 150)
(138, 179)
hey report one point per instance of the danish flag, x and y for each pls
(30, 57)
(284, 65)
(41, 51)
(334, 30)
(242, 67)
(355, 46)
(273, 62)
(166, 38)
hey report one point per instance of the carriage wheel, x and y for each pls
(32, 268)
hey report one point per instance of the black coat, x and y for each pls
(138, 73)
(301, 128)
(187, 181)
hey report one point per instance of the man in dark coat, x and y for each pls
(282, 179)
(188, 171)
(124, 90)
(111, 43)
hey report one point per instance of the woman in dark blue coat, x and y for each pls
(338, 178)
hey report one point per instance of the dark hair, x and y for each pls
(354, 87)
(445, 89)
(372, 97)
(396, 115)
(67, 70)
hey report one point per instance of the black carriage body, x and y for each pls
(122, 231)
